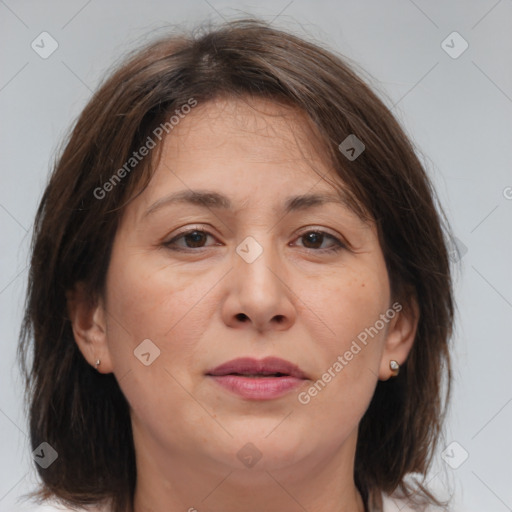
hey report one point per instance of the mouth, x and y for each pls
(254, 379)
(248, 367)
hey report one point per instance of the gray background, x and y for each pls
(457, 110)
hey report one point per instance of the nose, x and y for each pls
(260, 295)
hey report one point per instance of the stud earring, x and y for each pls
(395, 367)
(97, 363)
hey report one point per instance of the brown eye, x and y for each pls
(193, 239)
(314, 239)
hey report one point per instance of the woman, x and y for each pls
(240, 294)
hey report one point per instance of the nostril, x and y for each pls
(242, 317)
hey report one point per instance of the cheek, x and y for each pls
(144, 297)
(348, 355)
(155, 303)
(162, 303)
(351, 302)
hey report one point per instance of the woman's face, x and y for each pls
(254, 280)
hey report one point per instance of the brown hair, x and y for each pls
(83, 414)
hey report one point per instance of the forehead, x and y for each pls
(251, 129)
(248, 149)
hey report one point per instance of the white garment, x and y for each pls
(390, 504)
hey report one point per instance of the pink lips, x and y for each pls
(258, 379)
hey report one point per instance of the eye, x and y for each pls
(314, 238)
(196, 239)
(193, 239)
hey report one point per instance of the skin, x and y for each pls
(300, 304)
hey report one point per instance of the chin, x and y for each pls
(265, 445)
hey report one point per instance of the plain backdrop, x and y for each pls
(456, 107)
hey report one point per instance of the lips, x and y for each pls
(252, 379)
(268, 367)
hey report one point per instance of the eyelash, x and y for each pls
(339, 245)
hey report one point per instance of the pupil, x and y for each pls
(312, 238)
(196, 237)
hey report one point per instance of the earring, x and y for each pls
(97, 363)
(395, 367)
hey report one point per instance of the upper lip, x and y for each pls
(250, 366)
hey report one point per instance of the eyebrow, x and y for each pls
(210, 199)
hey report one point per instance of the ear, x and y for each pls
(88, 320)
(400, 336)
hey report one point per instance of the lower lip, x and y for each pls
(258, 388)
